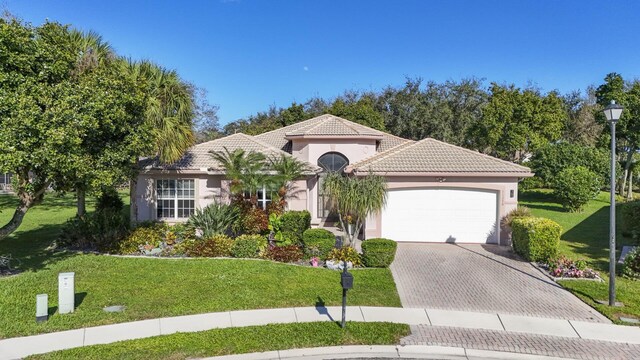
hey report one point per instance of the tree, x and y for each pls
(575, 186)
(355, 198)
(582, 126)
(244, 169)
(287, 170)
(516, 122)
(359, 108)
(49, 116)
(169, 111)
(626, 94)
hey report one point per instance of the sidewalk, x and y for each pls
(508, 324)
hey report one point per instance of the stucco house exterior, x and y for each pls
(437, 192)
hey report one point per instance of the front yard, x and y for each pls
(586, 236)
(151, 288)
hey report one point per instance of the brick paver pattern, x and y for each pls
(482, 278)
(573, 348)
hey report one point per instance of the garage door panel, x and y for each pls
(440, 215)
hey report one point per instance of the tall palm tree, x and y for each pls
(170, 113)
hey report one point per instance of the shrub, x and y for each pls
(289, 253)
(146, 234)
(536, 239)
(109, 200)
(318, 242)
(347, 254)
(248, 246)
(378, 252)
(100, 230)
(631, 219)
(564, 267)
(214, 219)
(212, 246)
(550, 160)
(531, 183)
(575, 186)
(519, 212)
(296, 223)
(631, 266)
(254, 221)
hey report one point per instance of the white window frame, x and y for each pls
(175, 198)
(262, 201)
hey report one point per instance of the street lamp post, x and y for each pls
(612, 112)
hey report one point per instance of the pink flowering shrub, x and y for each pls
(563, 267)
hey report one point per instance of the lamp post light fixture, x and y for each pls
(612, 112)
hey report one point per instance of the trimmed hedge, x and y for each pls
(536, 239)
(631, 219)
(295, 223)
(318, 242)
(378, 252)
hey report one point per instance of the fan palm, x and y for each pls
(170, 113)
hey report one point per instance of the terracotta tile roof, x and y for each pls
(199, 157)
(433, 156)
(327, 125)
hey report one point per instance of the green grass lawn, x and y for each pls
(254, 339)
(151, 288)
(586, 236)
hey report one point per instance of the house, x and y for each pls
(437, 192)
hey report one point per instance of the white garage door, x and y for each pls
(441, 215)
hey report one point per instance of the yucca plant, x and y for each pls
(357, 197)
(214, 219)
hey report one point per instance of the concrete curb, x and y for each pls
(384, 351)
(15, 348)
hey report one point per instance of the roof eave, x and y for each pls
(350, 136)
(357, 172)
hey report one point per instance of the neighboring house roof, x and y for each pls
(327, 126)
(436, 157)
(199, 156)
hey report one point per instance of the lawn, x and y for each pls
(151, 288)
(254, 339)
(586, 236)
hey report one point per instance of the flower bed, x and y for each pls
(563, 268)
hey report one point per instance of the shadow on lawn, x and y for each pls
(31, 248)
(590, 237)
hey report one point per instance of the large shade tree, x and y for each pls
(50, 113)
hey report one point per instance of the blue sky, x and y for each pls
(251, 54)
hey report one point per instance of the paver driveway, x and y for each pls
(485, 278)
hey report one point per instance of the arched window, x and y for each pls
(333, 162)
(329, 162)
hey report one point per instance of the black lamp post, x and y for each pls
(612, 112)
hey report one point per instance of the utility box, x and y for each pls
(42, 307)
(66, 292)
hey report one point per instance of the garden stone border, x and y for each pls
(556, 279)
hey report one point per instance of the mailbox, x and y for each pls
(346, 280)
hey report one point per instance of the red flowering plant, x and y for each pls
(563, 267)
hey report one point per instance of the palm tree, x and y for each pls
(287, 170)
(170, 113)
(355, 198)
(246, 170)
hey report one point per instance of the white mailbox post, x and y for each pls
(66, 292)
